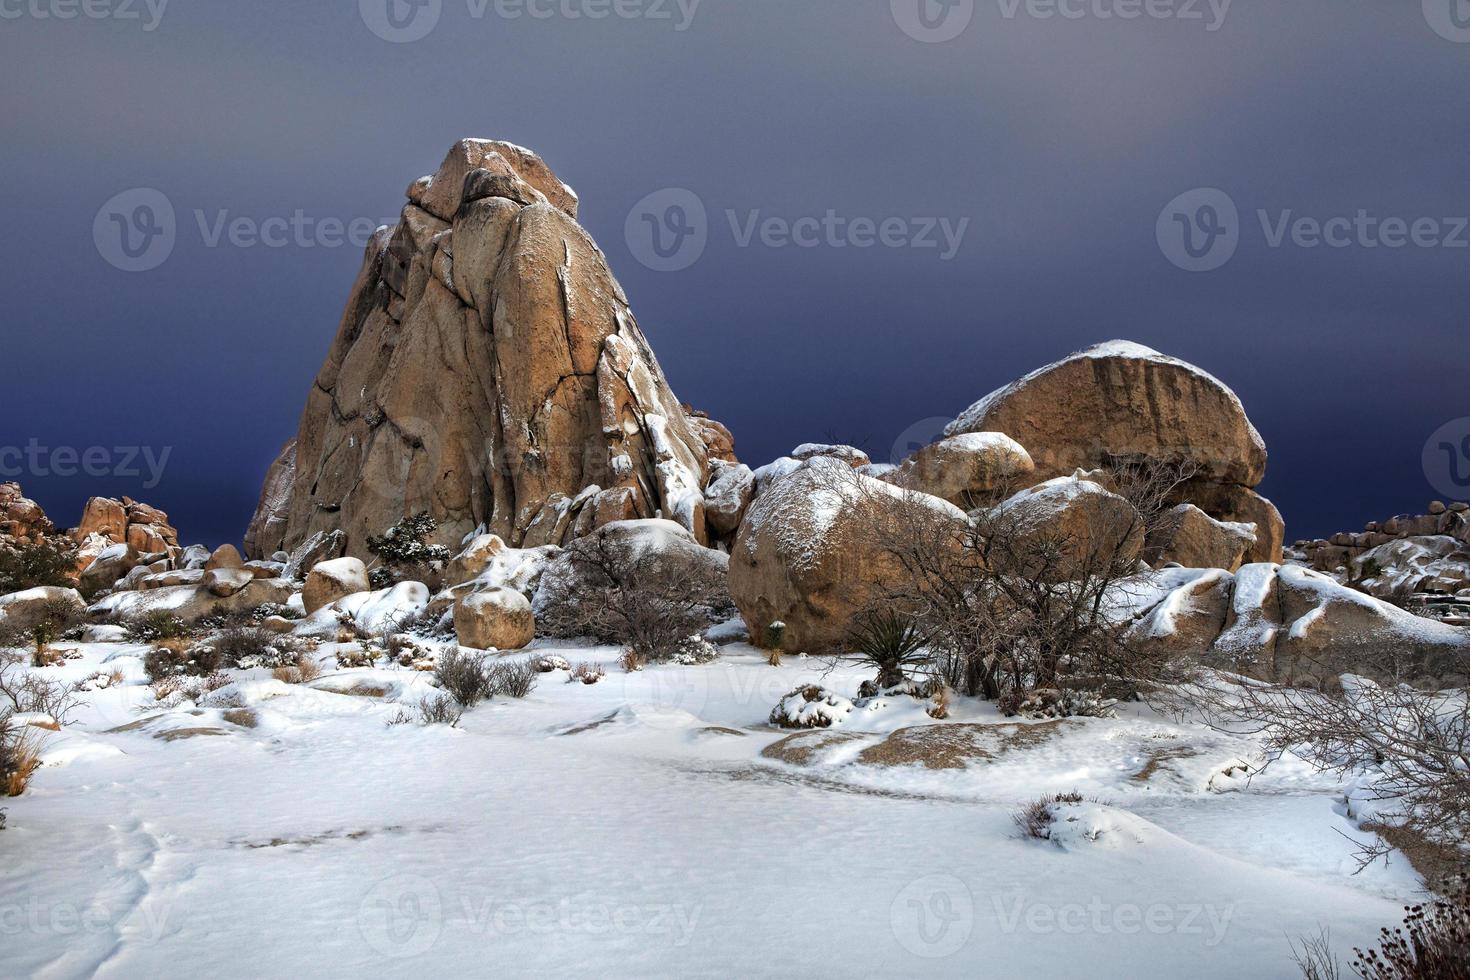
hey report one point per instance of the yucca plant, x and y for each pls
(892, 643)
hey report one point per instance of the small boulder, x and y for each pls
(225, 582)
(1188, 536)
(498, 619)
(966, 469)
(334, 580)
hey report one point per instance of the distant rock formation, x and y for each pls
(21, 519)
(1120, 400)
(489, 371)
(1423, 557)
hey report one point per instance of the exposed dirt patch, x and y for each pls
(1155, 763)
(717, 730)
(312, 840)
(244, 717)
(179, 734)
(133, 726)
(956, 746)
(1438, 864)
(591, 726)
(801, 748)
(359, 691)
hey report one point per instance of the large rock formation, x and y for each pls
(1284, 622)
(811, 552)
(21, 518)
(488, 371)
(1122, 400)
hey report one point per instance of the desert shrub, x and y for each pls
(442, 709)
(629, 661)
(775, 644)
(172, 691)
(463, 676)
(352, 657)
(20, 756)
(29, 565)
(1432, 944)
(155, 626)
(179, 657)
(550, 663)
(1314, 957)
(511, 679)
(303, 670)
(695, 651)
(642, 599)
(405, 554)
(1065, 702)
(1035, 818)
(586, 673)
(24, 692)
(246, 647)
(811, 706)
(892, 644)
(269, 609)
(939, 709)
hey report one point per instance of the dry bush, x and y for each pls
(463, 676)
(441, 709)
(1314, 957)
(305, 670)
(24, 692)
(511, 679)
(20, 755)
(1035, 818)
(180, 657)
(155, 626)
(586, 673)
(245, 646)
(630, 661)
(1432, 944)
(648, 602)
(939, 710)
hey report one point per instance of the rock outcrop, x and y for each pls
(1288, 623)
(21, 519)
(810, 552)
(1188, 536)
(489, 371)
(1122, 400)
(106, 523)
(967, 469)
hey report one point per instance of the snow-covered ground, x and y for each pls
(640, 828)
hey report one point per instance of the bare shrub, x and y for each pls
(645, 600)
(1314, 957)
(1432, 944)
(1036, 818)
(304, 670)
(630, 661)
(154, 626)
(441, 709)
(181, 657)
(25, 692)
(511, 679)
(246, 646)
(586, 673)
(463, 676)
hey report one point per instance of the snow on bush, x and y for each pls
(694, 651)
(811, 707)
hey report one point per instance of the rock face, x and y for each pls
(193, 602)
(496, 619)
(1341, 550)
(334, 580)
(1284, 622)
(1121, 399)
(1188, 536)
(21, 519)
(809, 553)
(267, 531)
(489, 371)
(145, 529)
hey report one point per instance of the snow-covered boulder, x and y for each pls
(1091, 523)
(627, 545)
(193, 602)
(494, 565)
(22, 610)
(1398, 569)
(811, 707)
(1285, 622)
(334, 580)
(109, 567)
(1121, 399)
(966, 469)
(850, 455)
(728, 496)
(810, 551)
(496, 619)
(369, 612)
(225, 582)
(1188, 536)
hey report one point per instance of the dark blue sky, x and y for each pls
(1060, 139)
